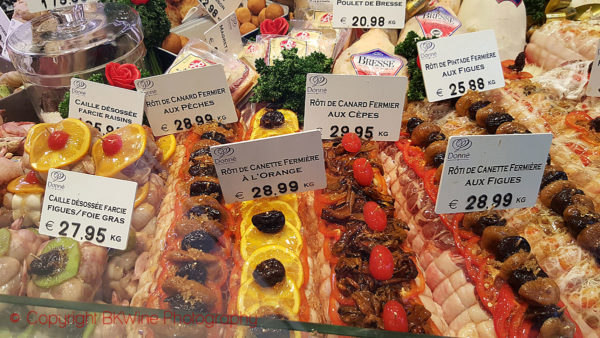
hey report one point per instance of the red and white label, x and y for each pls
(438, 22)
(376, 62)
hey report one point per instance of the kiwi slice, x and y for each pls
(58, 262)
(4, 241)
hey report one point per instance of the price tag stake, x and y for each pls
(368, 14)
(453, 65)
(294, 163)
(593, 88)
(482, 172)
(370, 106)
(88, 103)
(176, 102)
(94, 214)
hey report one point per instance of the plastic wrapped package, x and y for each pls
(198, 54)
(373, 54)
(568, 81)
(440, 21)
(559, 41)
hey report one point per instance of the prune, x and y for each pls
(206, 188)
(215, 136)
(269, 222)
(433, 137)
(472, 111)
(272, 119)
(494, 120)
(412, 123)
(578, 217)
(519, 63)
(478, 221)
(48, 263)
(269, 272)
(548, 159)
(539, 314)
(438, 159)
(563, 199)
(177, 302)
(523, 275)
(203, 169)
(194, 271)
(595, 124)
(552, 176)
(200, 152)
(210, 212)
(511, 245)
(200, 240)
(260, 332)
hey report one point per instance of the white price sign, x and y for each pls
(370, 106)
(219, 9)
(91, 214)
(46, 5)
(453, 65)
(593, 88)
(88, 103)
(269, 167)
(225, 35)
(178, 101)
(369, 13)
(492, 171)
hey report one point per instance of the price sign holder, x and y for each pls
(293, 163)
(492, 171)
(453, 65)
(219, 9)
(88, 103)
(593, 88)
(369, 13)
(35, 6)
(225, 35)
(178, 101)
(370, 106)
(94, 214)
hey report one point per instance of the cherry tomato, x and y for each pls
(374, 216)
(363, 172)
(394, 317)
(58, 140)
(381, 263)
(31, 178)
(351, 142)
(418, 62)
(111, 144)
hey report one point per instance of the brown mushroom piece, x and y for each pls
(549, 191)
(511, 128)
(542, 291)
(514, 262)
(463, 103)
(583, 200)
(483, 113)
(557, 327)
(578, 216)
(188, 295)
(492, 235)
(478, 221)
(420, 134)
(433, 152)
(589, 238)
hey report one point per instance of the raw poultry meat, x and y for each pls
(557, 42)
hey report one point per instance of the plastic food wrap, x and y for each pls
(198, 54)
